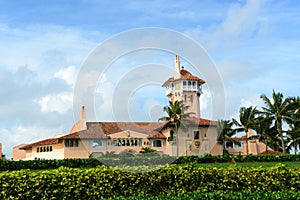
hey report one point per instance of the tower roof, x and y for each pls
(185, 75)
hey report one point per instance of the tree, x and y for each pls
(247, 120)
(175, 118)
(293, 134)
(225, 132)
(264, 129)
(280, 110)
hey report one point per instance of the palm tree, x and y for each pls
(175, 118)
(293, 133)
(225, 132)
(247, 120)
(264, 129)
(279, 108)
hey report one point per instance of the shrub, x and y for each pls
(107, 182)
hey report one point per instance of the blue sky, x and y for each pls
(254, 45)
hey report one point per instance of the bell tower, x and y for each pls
(184, 87)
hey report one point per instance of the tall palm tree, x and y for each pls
(278, 108)
(247, 120)
(225, 132)
(175, 118)
(293, 134)
(264, 129)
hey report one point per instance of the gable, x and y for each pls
(128, 134)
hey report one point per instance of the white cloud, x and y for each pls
(68, 74)
(242, 22)
(60, 103)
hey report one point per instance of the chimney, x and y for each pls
(177, 67)
(83, 118)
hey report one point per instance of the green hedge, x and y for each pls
(37, 164)
(140, 160)
(107, 182)
(238, 158)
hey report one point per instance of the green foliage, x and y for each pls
(238, 158)
(147, 150)
(47, 164)
(173, 180)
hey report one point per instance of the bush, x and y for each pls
(107, 182)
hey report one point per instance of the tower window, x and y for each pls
(191, 99)
(196, 135)
(184, 98)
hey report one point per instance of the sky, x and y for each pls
(44, 47)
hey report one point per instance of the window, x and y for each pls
(44, 149)
(196, 135)
(184, 98)
(229, 145)
(194, 85)
(97, 143)
(238, 145)
(191, 98)
(171, 138)
(157, 143)
(71, 143)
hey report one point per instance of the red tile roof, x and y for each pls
(48, 141)
(201, 121)
(104, 129)
(270, 152)
(239, 138)
(158, 135)
(185, 75)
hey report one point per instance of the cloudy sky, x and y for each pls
(254, 46)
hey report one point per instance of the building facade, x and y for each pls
(254, 146)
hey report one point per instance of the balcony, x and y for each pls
(190, 88)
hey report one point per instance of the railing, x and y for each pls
(190, 87)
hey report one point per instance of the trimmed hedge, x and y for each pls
(238, 158)
(37, 164)
(107, 182)
(140, 160)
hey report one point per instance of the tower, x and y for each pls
(184, 87)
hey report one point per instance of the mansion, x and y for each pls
(87, 139)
